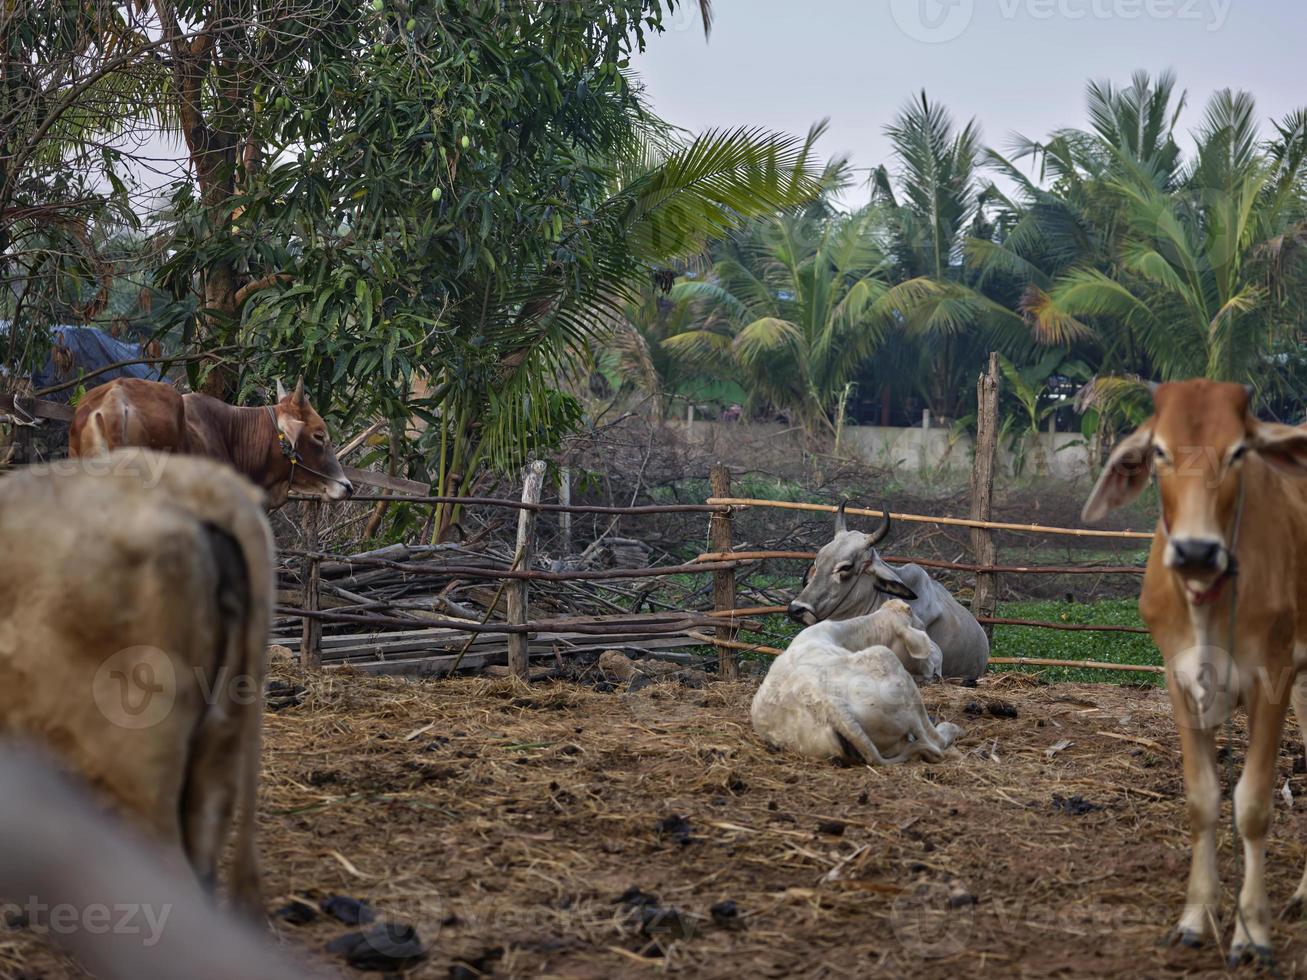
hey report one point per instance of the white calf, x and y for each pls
(842, 690)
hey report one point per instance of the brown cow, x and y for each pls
(277, 446)
(1229, 506)
(135, 597)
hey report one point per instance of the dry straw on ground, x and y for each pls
(505, 822)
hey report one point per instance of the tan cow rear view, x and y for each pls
(134, 604)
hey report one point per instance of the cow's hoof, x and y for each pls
(1187, 938)
(1294, 909)
(1245, 954)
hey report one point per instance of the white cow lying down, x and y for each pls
(843, 690)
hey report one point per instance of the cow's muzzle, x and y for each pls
(1197, 556)
(802, 614)
(340, 489)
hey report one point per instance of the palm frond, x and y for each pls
(767, 338)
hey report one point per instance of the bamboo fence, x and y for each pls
(719, 627)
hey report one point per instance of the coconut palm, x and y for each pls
(1070, 216)
(934, 202)
(1200, 276)
(792, 308)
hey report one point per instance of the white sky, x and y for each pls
(1017, 65)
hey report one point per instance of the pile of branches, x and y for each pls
(435, 609)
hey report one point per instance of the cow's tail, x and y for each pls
(223, 774)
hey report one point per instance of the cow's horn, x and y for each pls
(878, 535)
(841, 525)
(299, 392)
(281, 390)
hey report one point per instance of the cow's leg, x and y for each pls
(848, 726)
(931, 742)
(245, 890)
(1252, 809)
(1203, 795)
(1298, 903)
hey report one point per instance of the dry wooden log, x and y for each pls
(440, 666)
(657, 623)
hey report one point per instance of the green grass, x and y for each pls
(1045, 644)
(1042, 644)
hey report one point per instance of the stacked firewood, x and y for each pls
(433, 609)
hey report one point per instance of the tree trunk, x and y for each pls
(212, 148)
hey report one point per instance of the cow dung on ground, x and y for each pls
(461, 831)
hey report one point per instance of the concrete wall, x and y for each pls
(917, 450)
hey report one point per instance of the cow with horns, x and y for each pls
(1225, 598)
(278, 447)
(849, 579)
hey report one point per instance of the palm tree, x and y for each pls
(792, 308)
(934, 202)
(1199, 280)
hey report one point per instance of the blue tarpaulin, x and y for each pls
(91, 349)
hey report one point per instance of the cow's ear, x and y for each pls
(1127, 473)
(1283, 446)
(291, 427)
(300, 398)
(918, 644)
(888, 581)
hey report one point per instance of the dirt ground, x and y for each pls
(564, 831)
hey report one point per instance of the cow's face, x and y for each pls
(848, 577)
(1196, 445)
(318, 470)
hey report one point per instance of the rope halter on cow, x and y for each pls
(289, 450)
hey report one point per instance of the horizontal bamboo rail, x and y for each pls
(931, 563)
(991, 620)
(735, 644)
(542, 508)
(1070, 627)
(520, 574)
(921, 519)
(1082, 664)
(1013, 661)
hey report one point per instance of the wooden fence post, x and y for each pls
(519, 661)
(565, 498)
(983, 553)
(723, 591)
(310, 573)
